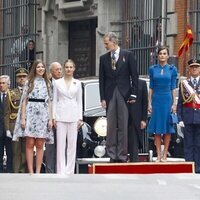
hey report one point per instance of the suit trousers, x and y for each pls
(66, 131)
(19, 156)
(117, 128)
(133, 143)
(192, 144)
(7, 143)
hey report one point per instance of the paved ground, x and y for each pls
(100, 187)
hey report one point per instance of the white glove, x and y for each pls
(8, 134)
(181, 124)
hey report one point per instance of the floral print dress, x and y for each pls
(37, 113)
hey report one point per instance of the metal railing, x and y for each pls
(143, 30)
(17, 35)
(194, 21)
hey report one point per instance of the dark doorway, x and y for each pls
(82, 46)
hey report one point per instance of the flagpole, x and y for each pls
(188, 53)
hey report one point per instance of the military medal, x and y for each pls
(113, 60)
(113, 65)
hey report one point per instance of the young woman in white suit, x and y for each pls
(67, 117)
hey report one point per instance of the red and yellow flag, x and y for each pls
(186, 42)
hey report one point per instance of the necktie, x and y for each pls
(194, 81)
(195, 84)
(113, 55)
(3, 97)
(113, 60)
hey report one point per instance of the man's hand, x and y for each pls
(143, 124)
(132, 99)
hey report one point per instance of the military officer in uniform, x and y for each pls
(189, 113)
(11, 109)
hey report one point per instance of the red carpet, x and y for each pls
(141, 168)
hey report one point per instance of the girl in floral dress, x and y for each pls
(34, 119)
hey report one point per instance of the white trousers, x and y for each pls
(66, 131)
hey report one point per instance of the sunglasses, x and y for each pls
(22, 76)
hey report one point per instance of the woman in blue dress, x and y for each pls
(162, 101)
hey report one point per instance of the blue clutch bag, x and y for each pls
(173, 118)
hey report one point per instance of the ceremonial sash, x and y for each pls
(191, 91)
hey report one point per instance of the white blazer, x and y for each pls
(67, 102)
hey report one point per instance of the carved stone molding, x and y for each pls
(73, 5)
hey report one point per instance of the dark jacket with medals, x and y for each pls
(188, 110)
(126, 70)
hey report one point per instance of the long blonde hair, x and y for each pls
(32, 76)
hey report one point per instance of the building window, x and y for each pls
(194, 21)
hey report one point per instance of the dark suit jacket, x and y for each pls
(2, 128)
(109, 78)
(138, 110)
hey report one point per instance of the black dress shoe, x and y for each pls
(112, 160)
(122, 161)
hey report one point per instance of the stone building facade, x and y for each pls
(74, 29)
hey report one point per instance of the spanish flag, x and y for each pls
(187, 41)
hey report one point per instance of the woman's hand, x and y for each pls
(79, 124)
(54, 123)
(23, 123)
(150, 108)
(173, 109)
(50, 125)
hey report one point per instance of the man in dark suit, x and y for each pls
(5, 141)
(137, 123)
(117, 69)
(188, 110)
(50, 152)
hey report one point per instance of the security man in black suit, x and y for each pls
(137, 122)
(189, 113)
(5, 141)
(117, 69)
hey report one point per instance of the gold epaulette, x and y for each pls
(189, 99)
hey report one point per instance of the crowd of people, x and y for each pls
(33, 118)
(126, 104)
(44, 111)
